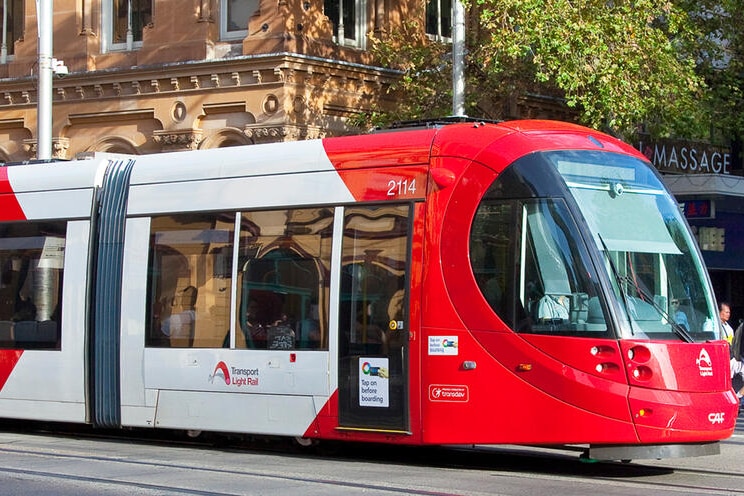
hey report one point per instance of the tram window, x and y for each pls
(532, 270)
(491, 253)
(283, 279)
(31, 270)
(189, 280)
(373, 278)
(556, 288)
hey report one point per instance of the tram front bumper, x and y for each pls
(652, 451)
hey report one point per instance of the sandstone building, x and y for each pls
(148, 76)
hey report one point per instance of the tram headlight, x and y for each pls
(639, 354)
(642, 373)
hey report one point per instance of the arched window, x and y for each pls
(114, 145)
(225, 138)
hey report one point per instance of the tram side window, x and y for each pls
(189, 280)
(533, 270)
(556, 286)
(283, 279)
(372, 314)
(31, 269)
(491, 255)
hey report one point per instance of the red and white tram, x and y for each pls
(524, 282)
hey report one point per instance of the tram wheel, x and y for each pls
(305, 442)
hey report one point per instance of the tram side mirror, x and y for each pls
(579, 307)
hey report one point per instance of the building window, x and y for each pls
(349, 18)
(439, 19)
(12, 26)
(125, 20)
(234, 16)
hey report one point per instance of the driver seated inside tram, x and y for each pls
(553, 307)
(678, 315)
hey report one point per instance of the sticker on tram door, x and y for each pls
(373, 382)
(443, 345)
(448, 393)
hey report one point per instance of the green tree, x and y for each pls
(720, 55)
(619, 64)
(424, 88)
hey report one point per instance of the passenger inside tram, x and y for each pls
(180, 325)
(553, 307)
(308, 329)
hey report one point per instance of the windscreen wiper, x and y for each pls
(618, 281)
(679, 330)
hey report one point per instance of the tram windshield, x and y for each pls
(657, 275)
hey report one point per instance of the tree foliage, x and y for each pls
(424, 88)
(619, 64)
(720, 55)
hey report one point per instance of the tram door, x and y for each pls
(373, 318)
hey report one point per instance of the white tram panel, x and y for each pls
(187, 388)
(271, 392)
(237, 371)
(60, 190)
(137, 403)
(257, 391)
(255, 413)
(50, 384)
(258, 176)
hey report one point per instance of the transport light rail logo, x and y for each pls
(220, 371)
(234, 376)
(704, 363)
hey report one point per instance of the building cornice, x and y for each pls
(247, 72)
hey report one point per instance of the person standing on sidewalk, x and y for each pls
(724, 312)
(737, 366)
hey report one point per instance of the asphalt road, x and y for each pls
(40, 464)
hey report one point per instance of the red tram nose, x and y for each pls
(676, 389)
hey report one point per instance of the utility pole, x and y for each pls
(458, 59)
(46, 72)
(4, 47)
